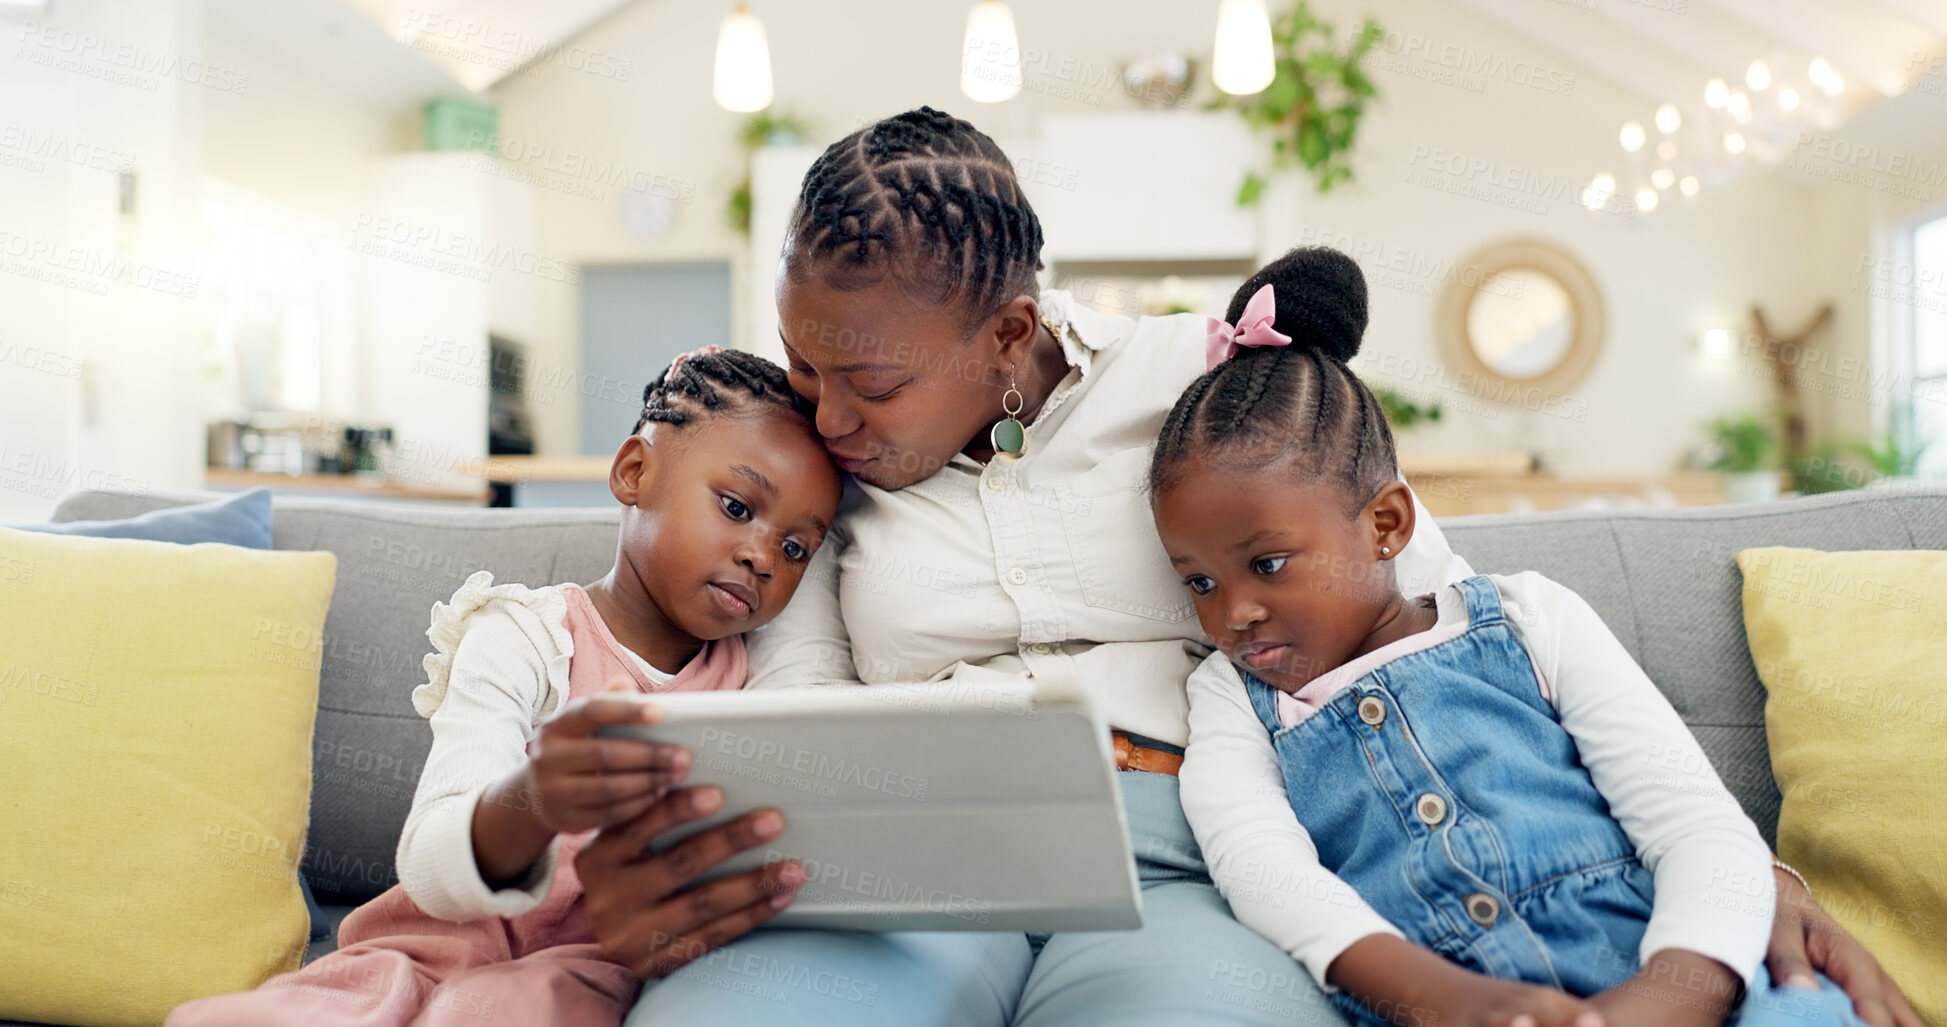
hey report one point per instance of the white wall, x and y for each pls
(1521, 150)
(1664, 278)
(97, 87)
(292, 138)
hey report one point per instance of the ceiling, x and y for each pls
(1664, 51)
(394, 54)
(480, 42)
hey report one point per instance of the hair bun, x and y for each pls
(1321, 297)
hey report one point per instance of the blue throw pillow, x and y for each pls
(241, 520)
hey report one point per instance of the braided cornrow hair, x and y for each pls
(927, 198)
(1299, 404)
(704, 384)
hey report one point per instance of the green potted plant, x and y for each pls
(1402, 413)
(1312, 107)
(1744, 448)
(767, 127)
(1897, 454)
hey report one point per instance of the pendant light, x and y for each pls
(990, 58)
(1243, 63)
(743, 76)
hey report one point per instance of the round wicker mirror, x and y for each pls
(1517, 316)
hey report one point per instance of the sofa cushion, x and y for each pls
(1850, 647)
(394, 563)
(1666, 582)
(1663, 580)
(240, 520)
(155, 706)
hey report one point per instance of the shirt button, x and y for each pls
(1432, 809)
(1483, 908)
(1018, 575)
(1372, 711)
(996, 484)
(1040, 649)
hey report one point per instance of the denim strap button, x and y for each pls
(1372, 711)
(1431, 808)
(1483, 908)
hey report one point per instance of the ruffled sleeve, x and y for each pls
(541, 614)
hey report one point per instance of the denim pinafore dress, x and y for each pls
(1443, 788)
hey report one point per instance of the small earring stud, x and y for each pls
(1385, 550)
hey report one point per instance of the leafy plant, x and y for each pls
(1313, 105)
(764, 128)
(1402, 413)
(1826, 470)
(1746, 441)
(1897, 454)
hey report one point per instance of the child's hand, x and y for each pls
(580, 782)
(1414, 987)
(1481, 1001)
(1676, 988)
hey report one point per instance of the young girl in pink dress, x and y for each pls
(726, 493)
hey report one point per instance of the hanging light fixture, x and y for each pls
(1646, 200)
(990, 59)
(1689, 186)
(1788, 98)
(1715, 93)
(743, 76)
(1733, 143)
(1663, 178)
(1667, 119)
(1243, 63)
(1758, 76)
(1631, 136)
(1600, 189)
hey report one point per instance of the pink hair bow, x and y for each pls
(1254, 328)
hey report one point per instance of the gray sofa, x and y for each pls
(1665, 582)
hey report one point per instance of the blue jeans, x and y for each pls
(1190, 963)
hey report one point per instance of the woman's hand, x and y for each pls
(647, 915)
(1804, 939)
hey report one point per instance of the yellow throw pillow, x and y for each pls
(1851, 647)
(156, 703)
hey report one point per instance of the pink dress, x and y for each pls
(397, 965)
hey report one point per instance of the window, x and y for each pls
(1917, 295)
(281, 298)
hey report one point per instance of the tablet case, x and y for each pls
(934, 807)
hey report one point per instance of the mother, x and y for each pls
(909, 312)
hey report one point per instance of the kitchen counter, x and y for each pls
(352, 486)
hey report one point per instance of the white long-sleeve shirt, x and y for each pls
(499, 670)
(987, 575)
(1712, 871)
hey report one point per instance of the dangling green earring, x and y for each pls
(1009, 435)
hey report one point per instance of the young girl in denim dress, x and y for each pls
(1439, 805)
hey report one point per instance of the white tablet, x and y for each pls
(920, 807)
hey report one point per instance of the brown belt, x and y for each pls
(1130, 755)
